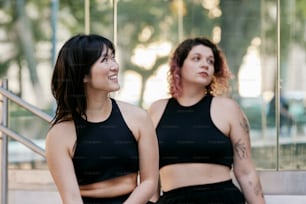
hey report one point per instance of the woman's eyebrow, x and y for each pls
(104, 54)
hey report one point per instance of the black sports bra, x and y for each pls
(188, 135)
(104, 150)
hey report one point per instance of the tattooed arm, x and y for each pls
(243, 167)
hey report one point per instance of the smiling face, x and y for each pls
(104, 73)
(198, 67)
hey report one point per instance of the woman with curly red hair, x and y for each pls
(203, 134)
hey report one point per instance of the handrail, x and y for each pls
(7, 95)
(25, 105)
(23, 140)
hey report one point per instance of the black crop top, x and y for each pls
(188, 135)
(104, 150)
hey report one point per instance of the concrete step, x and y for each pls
(37, 187)
(33, 197)
(31, 187)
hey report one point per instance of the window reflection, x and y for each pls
(146, 33)
(254, 86)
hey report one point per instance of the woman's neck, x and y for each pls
(98, 109)
(189, 98)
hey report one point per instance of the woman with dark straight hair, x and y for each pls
(98, 147)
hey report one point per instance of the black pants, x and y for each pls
(217, 193)
(115, 200)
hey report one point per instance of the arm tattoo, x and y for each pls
(257, 189)
(245, 125)
(240, 149)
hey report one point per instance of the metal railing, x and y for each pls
(6, 132)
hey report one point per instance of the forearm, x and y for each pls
(71, 198)
(72, 201)
(142, 193)
(155, 196)
(251, 188)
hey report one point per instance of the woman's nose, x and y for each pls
(114, 66)
(204, 64)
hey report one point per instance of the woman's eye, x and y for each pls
(196, 58)
(211, 62)
(106, 59)
(103, 59)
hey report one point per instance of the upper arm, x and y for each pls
(156, 110)
(240, 137)
(59, 143)
(141, 125)
(148, 148)
(238, 129)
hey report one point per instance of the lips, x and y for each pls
(113, 77)
(203, 74)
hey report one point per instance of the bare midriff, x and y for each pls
(189, 174)
(110, 188)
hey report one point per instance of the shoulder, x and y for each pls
(156, 110)
(158, 105)
(62, 134)
(226, 107)
(125, 107)
(225, 103)
(60, 128)
(136, 118)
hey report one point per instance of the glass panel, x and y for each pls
(148, 31)
(146, 28)
(261, 75)
(293, 85)
(249, 45)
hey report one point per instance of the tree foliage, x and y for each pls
(27, 24)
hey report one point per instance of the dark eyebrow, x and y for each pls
(104, 55)
(196, 53)
(199, 54)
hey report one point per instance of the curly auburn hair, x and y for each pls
(222, 74)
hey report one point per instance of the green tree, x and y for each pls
(240, 23)
(22, 32)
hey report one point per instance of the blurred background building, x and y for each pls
(264, 41)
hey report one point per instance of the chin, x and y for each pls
(115, 88)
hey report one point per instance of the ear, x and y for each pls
(85, 79)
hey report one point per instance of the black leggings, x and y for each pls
(216, 193)
(115, 200)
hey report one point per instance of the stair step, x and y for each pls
(33, 197)
(31, 187)
(31, 179)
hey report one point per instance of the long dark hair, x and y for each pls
(74, 61)
(222, 74)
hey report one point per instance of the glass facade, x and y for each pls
(263, 40)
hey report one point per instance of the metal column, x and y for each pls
(4, 148)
